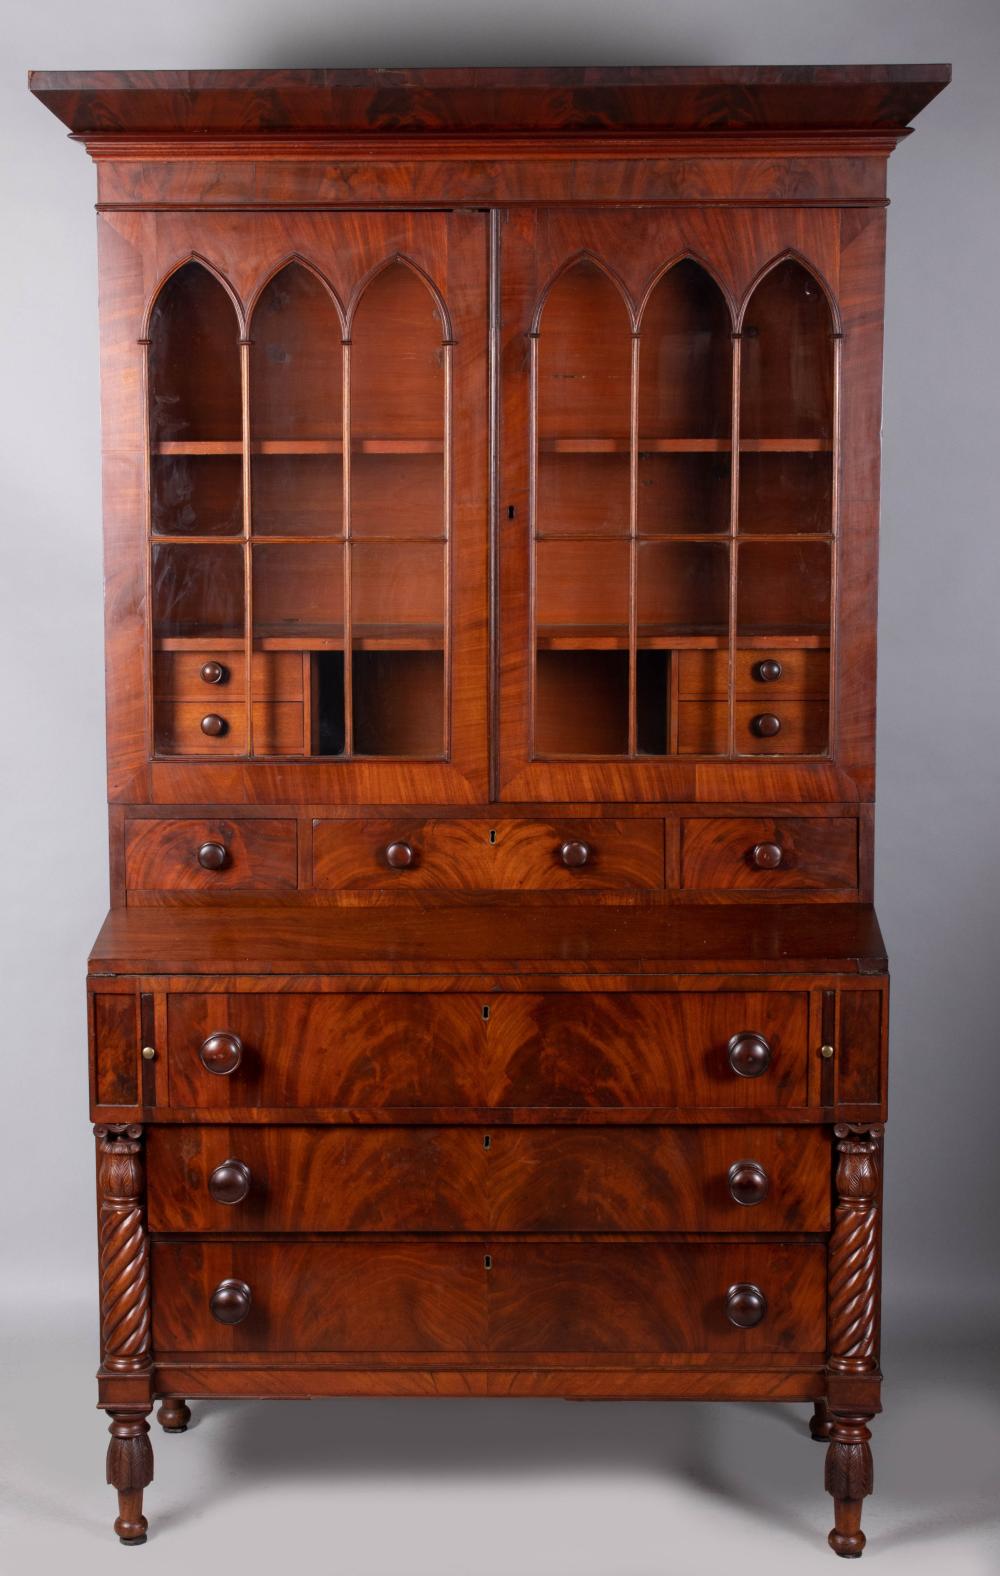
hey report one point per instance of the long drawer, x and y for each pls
(227, 1179)
(742, 1049)
(480, 1296)
(502, 855)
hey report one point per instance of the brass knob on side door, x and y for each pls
(574, 854)
(746, 1305)
(230, 1182)
(222, 1053)
(213, 856)
(748, 1182)
(749, 1054)
(230, 1302)
(400, 856)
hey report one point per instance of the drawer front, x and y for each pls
(166, 855)
(495, 1298)
(322, 1297)
(801, 727)
(555, 1050)
(207, 676)
(279, 729)
(764, 854)
(216, 725)
(226, 1179)
(651, 1298)
(704, 675)
(502, 855)
(609, 1049)
(348, 1051)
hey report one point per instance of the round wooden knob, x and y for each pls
(766, 726)
(222, 1053)
(768, 671)
(746, 1305)
(749, 1054)
(766, 856)
(748, 1182)
(212, 856)
(400, 856)
(230, 1301)
(574, 854)
(230, 1182)
(213, 725)
(214, 673)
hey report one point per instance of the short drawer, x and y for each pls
(210, 855)
(480, 1296)
(782, 854)
(469, 855)
(743, 1050)
(206, 676)
(216, 725)
(770, 726)
(760, 674)
(210, 1179)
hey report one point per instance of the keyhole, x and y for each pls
(487, 1261)
(493, 836)
(486, 1015)
(487, 1141)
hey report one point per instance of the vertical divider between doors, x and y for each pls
(347, 564)
(448, 357)
(633, 546)
(147, 568)
(493, 509)
(245, 344)
(532, 533)
(734, 562)
(833, 677)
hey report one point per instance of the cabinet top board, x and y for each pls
(620, 100)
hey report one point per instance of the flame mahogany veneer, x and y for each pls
(491, 1001)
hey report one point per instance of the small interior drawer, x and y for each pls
(482, 854)
(758, 673)
(764, 854)
(210, 855)
(770, 725)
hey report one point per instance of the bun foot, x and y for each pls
(848, 1479)
(820, 1427)
(131, 1524)
(847, 1538)
(174, 1415)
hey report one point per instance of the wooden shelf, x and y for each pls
(364, 637)
(614, 637)
(286, 446)
(209, 447)
(685, 445)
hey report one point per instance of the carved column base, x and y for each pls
(174, 1415)
(130, 1470)
(849, 1477)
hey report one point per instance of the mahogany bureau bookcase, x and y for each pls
(491, 1002)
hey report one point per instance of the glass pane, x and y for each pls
(784, 588)
(298, 593)
(581, 703)
(683, 494)
(296, 408)
(199, 703)
(683, 589)
(786, 376)
(398, 518)
(785, 493)
(685, 358)
(195, 408)
(581, 589)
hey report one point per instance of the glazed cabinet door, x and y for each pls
(671, 523)
(309, 457)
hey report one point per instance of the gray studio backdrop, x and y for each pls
(938, 740)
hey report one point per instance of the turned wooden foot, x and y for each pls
(174, 1415)
(130, 1469)
(849, 1479)
(819, 1423)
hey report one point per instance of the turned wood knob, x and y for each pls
(212, 856)
(230, 1182)
(400, 856)
(748, 1182)
(768, 671)
(765, 726)
(222, 1053)
(746, 1305)
(766, 856)
(230, 1301)
(749, 1054)
(214, 673)
(213, 725)
(574, 854)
